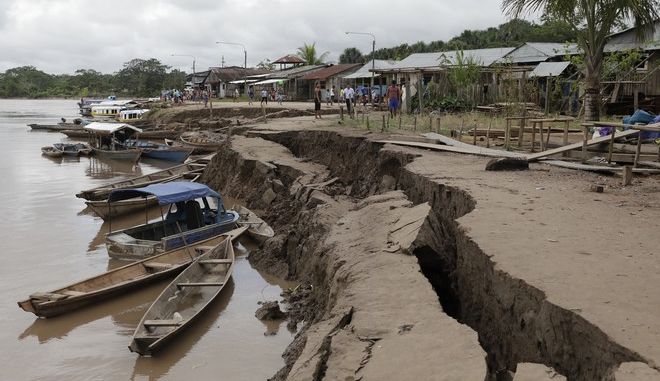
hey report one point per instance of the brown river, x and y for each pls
(48, 240)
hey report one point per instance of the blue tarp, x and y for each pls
(166, 193)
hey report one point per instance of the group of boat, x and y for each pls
(194, 238)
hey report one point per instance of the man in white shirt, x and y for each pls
(349, 95)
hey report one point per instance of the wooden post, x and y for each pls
(341, 112)
(566, 126)
(636, 98)
(263, 112)
(547, 95)
(627, 175)
(415, 123)
(585, 137)
(638, 149)
(533, 135)
(524, 113)
(399, 121)
(611, 148)
(437, 125)
(367, 122)
(507, 134)
(460, 133)
(430, 123)
(541, 132)
(382, 128)
(474, 133)
(547, 137)
(490, 124)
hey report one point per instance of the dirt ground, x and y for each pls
(544, 270)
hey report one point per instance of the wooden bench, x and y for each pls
(200, 284)
(214, 261)
(163, 323)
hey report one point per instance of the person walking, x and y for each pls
(250, 95)
(236, 95)
(280, 95)
(264, 96)
(349, 95)
(317, 101)
(393, 95)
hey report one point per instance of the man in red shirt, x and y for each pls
(393, 94)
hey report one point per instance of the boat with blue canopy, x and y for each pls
(191, 217)
(160, 151)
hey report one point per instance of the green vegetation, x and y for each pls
(351, 55)
(510, 34)
(137, 78)
(310, 55)
(591, 22)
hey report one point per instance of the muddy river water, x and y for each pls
(48, 240)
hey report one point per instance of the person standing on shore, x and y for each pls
(331, 95)
(250, 95)
(393, 95)
(317, 101)
(264, 96)
(236, 95)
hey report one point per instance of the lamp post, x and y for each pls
(236, 43)
(192, 81)
(373, 55)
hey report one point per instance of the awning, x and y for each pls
(359, 74)
(268, 81)
(109, 128)
(549, 69)
(166, 193)
(239, 81)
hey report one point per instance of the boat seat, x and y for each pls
(163, 323)
(72, 293)
(199, 284)
(214, 261)
(157, 266)
(194, 217)
(203, 249)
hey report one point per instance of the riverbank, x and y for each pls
(425, 266)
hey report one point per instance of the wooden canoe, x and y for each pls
(51, 151)
(132, 155)
(184, 171)
(200, 141)
(258, 229)
(106, 210)
(189, 294)
(117, 281)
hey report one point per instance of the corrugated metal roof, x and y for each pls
(294, 72)
(289, 59)
(549, 69)
(109, 128)
(484, 57)
(364, 71)
(532, 52)
(553, 49)
(330, 71)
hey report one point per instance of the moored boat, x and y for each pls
(200, 141)
(183, 300)
(185, 223)
(41, 127)
(160, 151)
(188, 171)
(119, 280)
(109, 138)
(258, 229)
(107, 210)
(51, 151)
(74, 149)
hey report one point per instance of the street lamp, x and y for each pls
(373, 55)
(193, 73)
(236, 43)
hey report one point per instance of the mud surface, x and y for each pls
(422, 265)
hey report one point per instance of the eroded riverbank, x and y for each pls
(376, 230)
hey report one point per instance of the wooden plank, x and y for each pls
(473, 150)
(200, 284)
(651, 164)
(214, 261)
(596, 168)
(163, 323)
(599, 140)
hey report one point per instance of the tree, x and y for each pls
(592, 21)
(266, 64)
(141, 77)
(308, 53)
(351, 55)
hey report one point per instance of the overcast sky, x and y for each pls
(60, 36)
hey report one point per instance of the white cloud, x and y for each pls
(60, 36)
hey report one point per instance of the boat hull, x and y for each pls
(258, 229)
(116, 282)
(107, 210)
(132, 155)
(51, 152)
(191, 292)
(120, 245)
(175, 155)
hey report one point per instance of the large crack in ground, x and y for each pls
(514, 321)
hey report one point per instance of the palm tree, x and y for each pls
(308, 53)
(592, 21)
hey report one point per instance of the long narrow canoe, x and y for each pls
(186, 171)
(117, 281)
(258, 229)
(189, 294)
